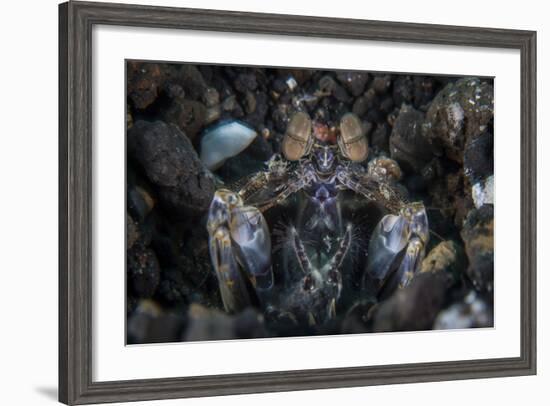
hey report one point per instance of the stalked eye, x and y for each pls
(298, 140)
(353, 141)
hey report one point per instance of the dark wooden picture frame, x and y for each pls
(76, 20)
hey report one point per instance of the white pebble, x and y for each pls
(225, 141)
(483, 192)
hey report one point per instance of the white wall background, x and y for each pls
(28, 201)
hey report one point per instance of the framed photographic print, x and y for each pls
(257, 202)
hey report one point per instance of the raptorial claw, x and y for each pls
(240, 249)
(396, 248)
(233, 288)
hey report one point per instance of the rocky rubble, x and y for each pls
(171, 164)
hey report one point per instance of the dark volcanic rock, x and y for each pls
(412, 308)
(192, 82)
(231, 107)
(145, 81)
(212, 324)
(143, 271)
(299, 75)
(423, 90)
(360, 106)
(259, 149)
(354, 82)
(460, 112)
(149, 324)
(478, 157)
(245, 82)
(386, 105)
(132, 231)
(449, 195)
(213, 114)
(173, 287)
(381, 83)
(140, 202)
(166, 241)
(403, 90)
(211, 97)
(129, 117)
(433, 170)
(358, 317)
(329, 85)
(171, 164)
(256, 116)
(190, 116)
(380, 138)
(477, 234)
(408, 144)
(281, 116)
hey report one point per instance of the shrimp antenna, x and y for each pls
(437, 235)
